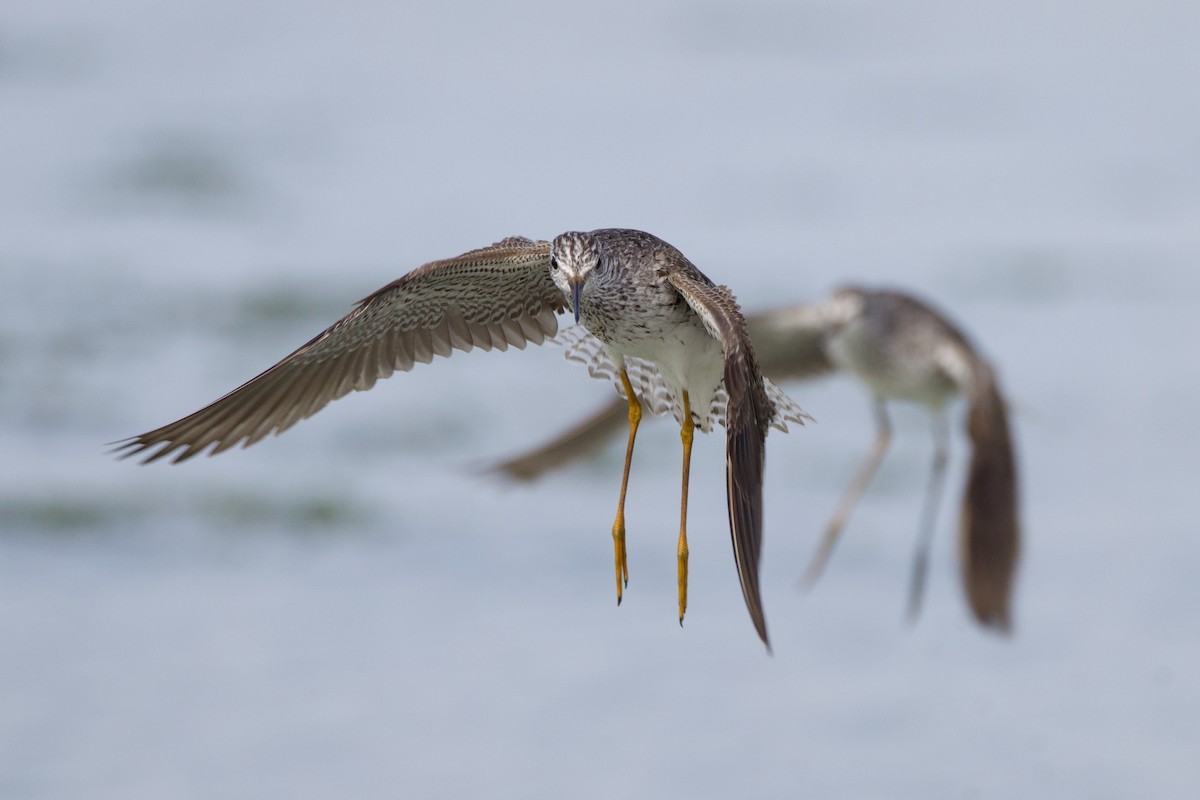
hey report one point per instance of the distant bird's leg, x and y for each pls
(854, 491)
(933, 494)
(618, 532)
(685, 433)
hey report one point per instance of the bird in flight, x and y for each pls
(900, 348)
(646, 311)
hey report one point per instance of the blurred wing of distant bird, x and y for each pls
(581, 440)
(790, 342)
(492, 297)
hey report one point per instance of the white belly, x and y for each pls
(688, 357)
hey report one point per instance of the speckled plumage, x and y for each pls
(643, 298)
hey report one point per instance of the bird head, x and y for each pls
(846, 304)
(573, 257)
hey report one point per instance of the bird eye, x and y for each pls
(553, 262)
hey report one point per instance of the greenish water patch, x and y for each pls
(318, 514)
(179, 166)
(274, 304)
(188, 172)
(62, 515)
(40, 59)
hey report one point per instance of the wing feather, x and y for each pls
(459, 331)
(513, 333)
(748, 413)
(488, 298)
(531, 331)
(497, 336)
(422, 343)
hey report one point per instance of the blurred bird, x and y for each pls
(644, 309)
(901, 349)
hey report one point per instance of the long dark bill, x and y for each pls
(576, 288)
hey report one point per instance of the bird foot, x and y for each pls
(619, 557)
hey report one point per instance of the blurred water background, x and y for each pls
(189, 190)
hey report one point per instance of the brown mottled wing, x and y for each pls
(747, 416)
(491, 297)
(790, 342)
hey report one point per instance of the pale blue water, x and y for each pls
(189, 190)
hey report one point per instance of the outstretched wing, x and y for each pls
(491, 297)
(747, 415)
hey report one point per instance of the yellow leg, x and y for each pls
(685, 433)
(618, 531)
